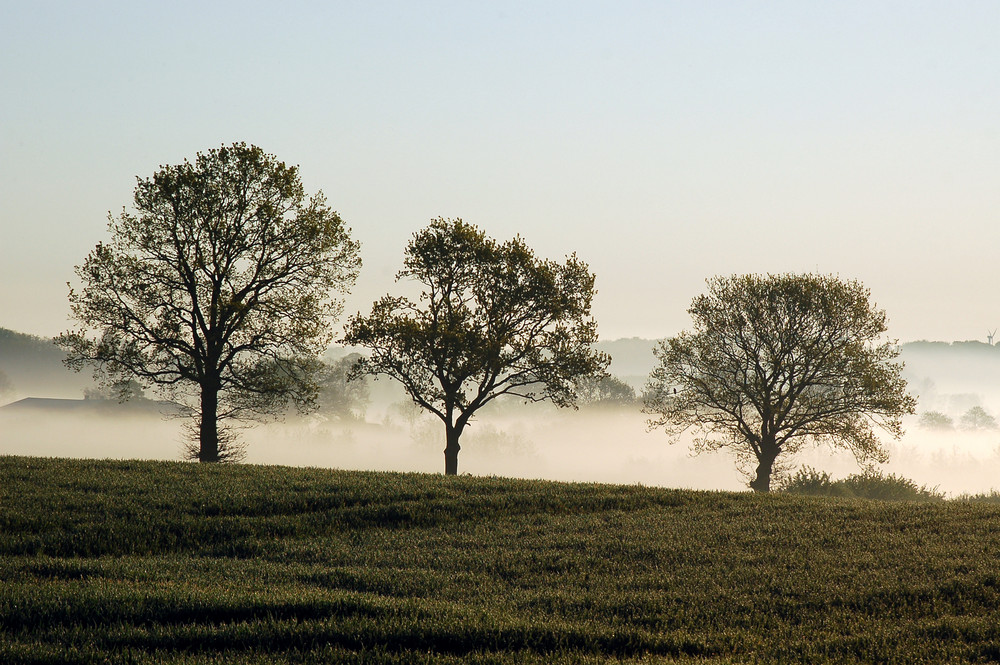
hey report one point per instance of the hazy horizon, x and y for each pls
(664, 143)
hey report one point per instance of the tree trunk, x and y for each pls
(451, 450)
(762, 483)
(208, 429)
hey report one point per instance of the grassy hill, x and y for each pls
(154, 562)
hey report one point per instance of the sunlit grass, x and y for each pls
(150, 562)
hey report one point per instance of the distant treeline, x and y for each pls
(33, 365)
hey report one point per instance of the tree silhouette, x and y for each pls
(977, 418)
(492, 320)
(219, 290)
(776, 362)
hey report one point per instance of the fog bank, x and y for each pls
(596, 445)
(593, 444)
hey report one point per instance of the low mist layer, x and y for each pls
(593, 444)
(588, 446)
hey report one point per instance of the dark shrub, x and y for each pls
(867, 485)
(809, 481)
(874, 485)
(992, 497)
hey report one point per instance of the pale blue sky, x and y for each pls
(664, 142)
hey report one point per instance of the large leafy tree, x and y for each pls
(219, 289)
(777, 362)
(492, 320)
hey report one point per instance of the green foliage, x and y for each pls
(872, 485)
(989, 497)
(34, 366)
(152, 562)
(867, 485)
(936, 420)
(778, 362)
(606, 391)
(123, 391)
(976, 418)
(811, 482)
(340, 396)
(219, 290)
(492, 320)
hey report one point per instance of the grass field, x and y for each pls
(154, 562)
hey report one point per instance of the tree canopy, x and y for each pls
(219, 289)
(977, 418)
(492, 320)
(936, 420)
(340, 396)
(776, 362)
(607, 391)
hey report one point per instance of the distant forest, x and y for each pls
(32, 366)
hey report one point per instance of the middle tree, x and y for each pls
(492, 320)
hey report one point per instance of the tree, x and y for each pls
(340, 396)
(977, 418)
(492, 320)
(122, 391)
(936, 420)
(218, 290)
(607, 391)
(776, 362)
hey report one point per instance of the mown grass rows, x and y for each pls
(159, 562)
